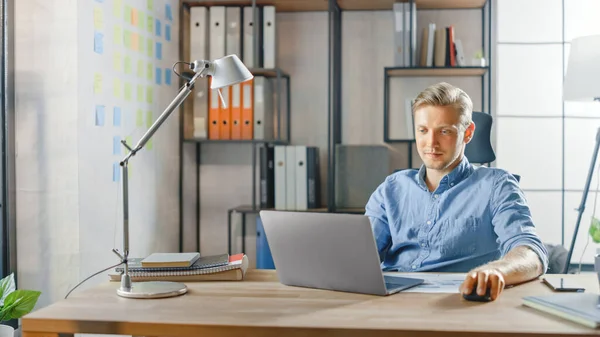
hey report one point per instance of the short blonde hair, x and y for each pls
(444, 94)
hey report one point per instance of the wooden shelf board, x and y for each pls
(280, 5)
(421, 4)
(449, 71)
(233, 141)
(249, 209)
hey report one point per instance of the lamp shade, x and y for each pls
(582, 81)
(228, 70)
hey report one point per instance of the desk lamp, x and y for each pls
(226, 71)
(582, 83)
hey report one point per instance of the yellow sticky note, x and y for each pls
(117, 5)
(149, 71)
(127, 38)
(127, 64)
(134, 16)
(150, 21)
(149, 94)
(140, 68)
(97, 83)
(134, 41)
(150, 46)
(150, 4)
(127, 14)
(140, 93)
(117, 35)
(117, 87)
(128, 91)
(139, 118)
(149, 119)
(149, 144)
(98, 20)
(117, 61)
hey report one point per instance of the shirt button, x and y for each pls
(414, 267)
(423, 244)
(451, 184)
(429, 222)
(435, 196)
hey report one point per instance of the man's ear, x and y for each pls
(469, 132)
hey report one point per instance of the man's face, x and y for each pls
(439, 136)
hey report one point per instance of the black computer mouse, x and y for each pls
(473, 296)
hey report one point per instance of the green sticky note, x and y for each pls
(128, 91)
(140, 93)
(117, 87)
(117, 61)
(595, 230)
(150, 4)
(117, 35)
(149, 119)
(139, 118)
(127, 38)
(149, 144)
(127, 14)
(141, 20)
(140, 68)
(149, 47)
(149, 94)
(149, 71)
(150, 24)
(117, 4)
(97, 83)
(127, 64)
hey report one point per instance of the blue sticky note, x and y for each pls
(157, 25)
(116, 145)
(158, 50)
(168, 76)
(168, 12)
(116, 172)
(158, 75)
(168, 32)
(98, 43)
(99, 120)
(117, 116)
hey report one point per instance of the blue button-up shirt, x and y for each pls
(476, 215)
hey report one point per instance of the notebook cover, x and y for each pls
(582, 308)
(170, 260)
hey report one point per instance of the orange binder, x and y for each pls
(236, 111)
(225, 114)
(248, 109)
(213, 113)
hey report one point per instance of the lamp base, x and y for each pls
(153, 289)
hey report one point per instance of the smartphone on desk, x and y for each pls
(562, 284)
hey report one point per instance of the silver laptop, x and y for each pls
(328, 251)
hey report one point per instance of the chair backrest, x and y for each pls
(479, 150)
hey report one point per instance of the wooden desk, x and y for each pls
(260, 306)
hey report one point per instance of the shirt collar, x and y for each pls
(460, 172)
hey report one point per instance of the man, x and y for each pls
(450, 216)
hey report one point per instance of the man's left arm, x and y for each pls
(524, 256)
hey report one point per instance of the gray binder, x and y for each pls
(199, 51)
(263, 108)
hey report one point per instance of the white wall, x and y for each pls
(549, 144)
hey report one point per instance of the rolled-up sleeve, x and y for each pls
(512, 220)
(376, 211)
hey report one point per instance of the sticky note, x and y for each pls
(128, 141)
(116, 145)
(168, 76)
(99, 118)
(134, 16)
(140, 68)
(117, 62)
(98, 43)
(168, 12)
(117, 5)
(139, 119)
(116, 172)
(117, 35)
(140, 93)
(149, 94)
(127, 64)
(98, 20)
(128, 91)
(97, 83)
(141, 20)
(116, 116)
(168, 32)
(159, 50)
(158, 75)
(150, 4)
(157, 26)
(149, 144)
(117, 87)
(127, 14)
(135, 41)
(149, 119)
(127, 38)
(150, 24)
(150, 48)
(149, 70)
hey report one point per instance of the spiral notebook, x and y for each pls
(135, 264)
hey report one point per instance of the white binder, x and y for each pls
(199, 51)
(290, 177)
(217, 32)
(280, 177)
(399, 45)
(249, 58)
(263, 108)
(269, 37)
(233, 39)
(301, 178)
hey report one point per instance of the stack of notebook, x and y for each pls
(183, 267)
